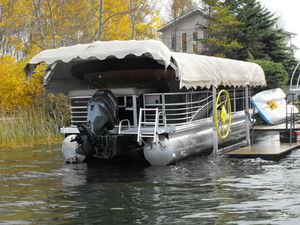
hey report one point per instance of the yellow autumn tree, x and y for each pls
(15, 90)
(126, 19)
(29, 26)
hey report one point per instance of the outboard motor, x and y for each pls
(102, 112)
(95, 138)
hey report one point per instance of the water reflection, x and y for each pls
(38, 188)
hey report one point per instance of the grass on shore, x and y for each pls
(27, 127)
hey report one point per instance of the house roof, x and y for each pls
(184, 16)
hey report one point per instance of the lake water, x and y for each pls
(36, 187)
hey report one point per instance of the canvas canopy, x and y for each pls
(204, 71)
(192, 70)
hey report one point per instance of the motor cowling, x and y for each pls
(102, 112)
(93, 137)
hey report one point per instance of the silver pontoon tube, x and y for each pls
(191, 140)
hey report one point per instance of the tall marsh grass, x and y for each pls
(36, 125)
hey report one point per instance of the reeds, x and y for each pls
(36, 125)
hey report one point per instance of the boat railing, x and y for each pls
(201, 109)
(144, 133)
(191, 105)
(79, 109)
(173, 108)
(238, 99)
(177, 108)
(295, 79)
(127, 126)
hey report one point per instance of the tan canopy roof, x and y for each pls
(204, 71)
(192, 70)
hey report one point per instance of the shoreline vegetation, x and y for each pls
(242, 30)
(39, 124)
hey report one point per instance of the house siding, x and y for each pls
(189, 26)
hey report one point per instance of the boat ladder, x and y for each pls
(148, 133)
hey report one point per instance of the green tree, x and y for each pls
(220, 39)
(276, 74)
(258, 33)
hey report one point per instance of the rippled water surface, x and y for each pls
(36, 187)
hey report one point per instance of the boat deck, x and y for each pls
(131, 130)
(144, 130)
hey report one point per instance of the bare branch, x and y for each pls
(36, 7)
(101, 23)
(52, 24)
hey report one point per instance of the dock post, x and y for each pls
(215, 134)
(247, 115)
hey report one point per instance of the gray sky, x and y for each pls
(287, 10)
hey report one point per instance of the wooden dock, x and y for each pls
(273, 151)
(278, 127)
(266, 145)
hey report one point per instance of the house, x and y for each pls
(185, 33)
(289, 36)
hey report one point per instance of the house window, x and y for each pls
(183, 44)
(173, 42)
(195, 42)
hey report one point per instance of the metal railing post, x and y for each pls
(234, 99)
(207, 95)
(164, 110)
(247, 115)
(139, 127)
(215, 134)
(134, 108)
(294, 72)
(144, 102)
(156, 126)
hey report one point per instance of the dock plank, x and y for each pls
(277, 127)
(270, 150)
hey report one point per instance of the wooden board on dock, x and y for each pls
(272, 150)
(278, 127)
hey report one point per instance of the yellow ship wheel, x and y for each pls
(223, 114)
